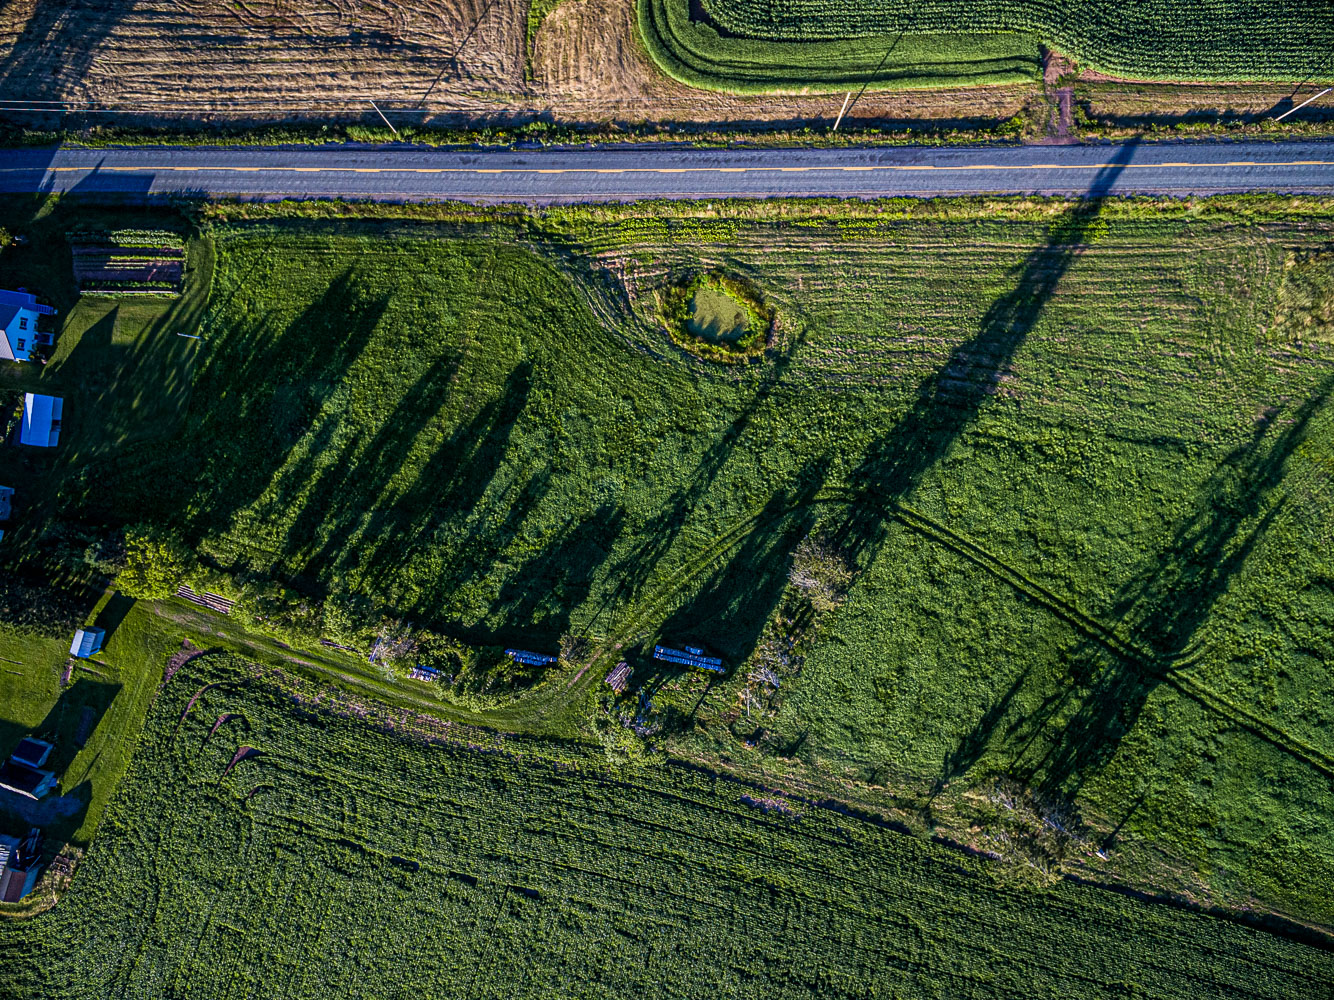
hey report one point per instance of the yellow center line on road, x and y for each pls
(838, 168)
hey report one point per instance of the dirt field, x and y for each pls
(283, 54)
(1144, 102)
(247, 60)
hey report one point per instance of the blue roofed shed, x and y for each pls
(87, 641)
(32, 752)
(41, 420)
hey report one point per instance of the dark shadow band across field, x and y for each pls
(737, 598)
(1165, 607)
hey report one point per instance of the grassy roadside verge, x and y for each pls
(1221, 124)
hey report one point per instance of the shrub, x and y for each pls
(155, 562)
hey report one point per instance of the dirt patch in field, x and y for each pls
(242, 753)
(1128, 103)
(222, 720)
(587, 59)
(184, 655)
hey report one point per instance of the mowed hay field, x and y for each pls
(264, 57)
(1076, 458)
(273, 840)
(753, 43)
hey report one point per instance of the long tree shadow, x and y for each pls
(728, 613)
(438, 520)
(56, 48)
(335, 489)
(540, 596)
(949, 400)
(1164, 607)
(275, 385)
(634, 569)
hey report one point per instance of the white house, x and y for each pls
(41, 420)
(18, 323)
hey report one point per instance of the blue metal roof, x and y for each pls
(669, 655)
(24, 300)
(41, 420)
(530, 658)
(32, 752)
(87, 641)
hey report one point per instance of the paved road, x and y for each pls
(624, 174)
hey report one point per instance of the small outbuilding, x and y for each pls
(30, 782)
(41, 420)
(87, 641)
(18, 324)
(32, 752)
(20, 864)
(6, 500)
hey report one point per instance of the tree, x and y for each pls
(155, 562)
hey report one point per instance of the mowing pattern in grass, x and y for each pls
(334, 858)
(746, 45)
(1084, 484)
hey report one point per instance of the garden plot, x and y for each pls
(128, 262)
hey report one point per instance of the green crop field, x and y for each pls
(272, 841)
(1060, 472)
(755, 45)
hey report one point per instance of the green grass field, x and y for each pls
(1076, 459)
(92, 722)
(346, 860)
(748, 45)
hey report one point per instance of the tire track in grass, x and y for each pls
(1164, 668)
